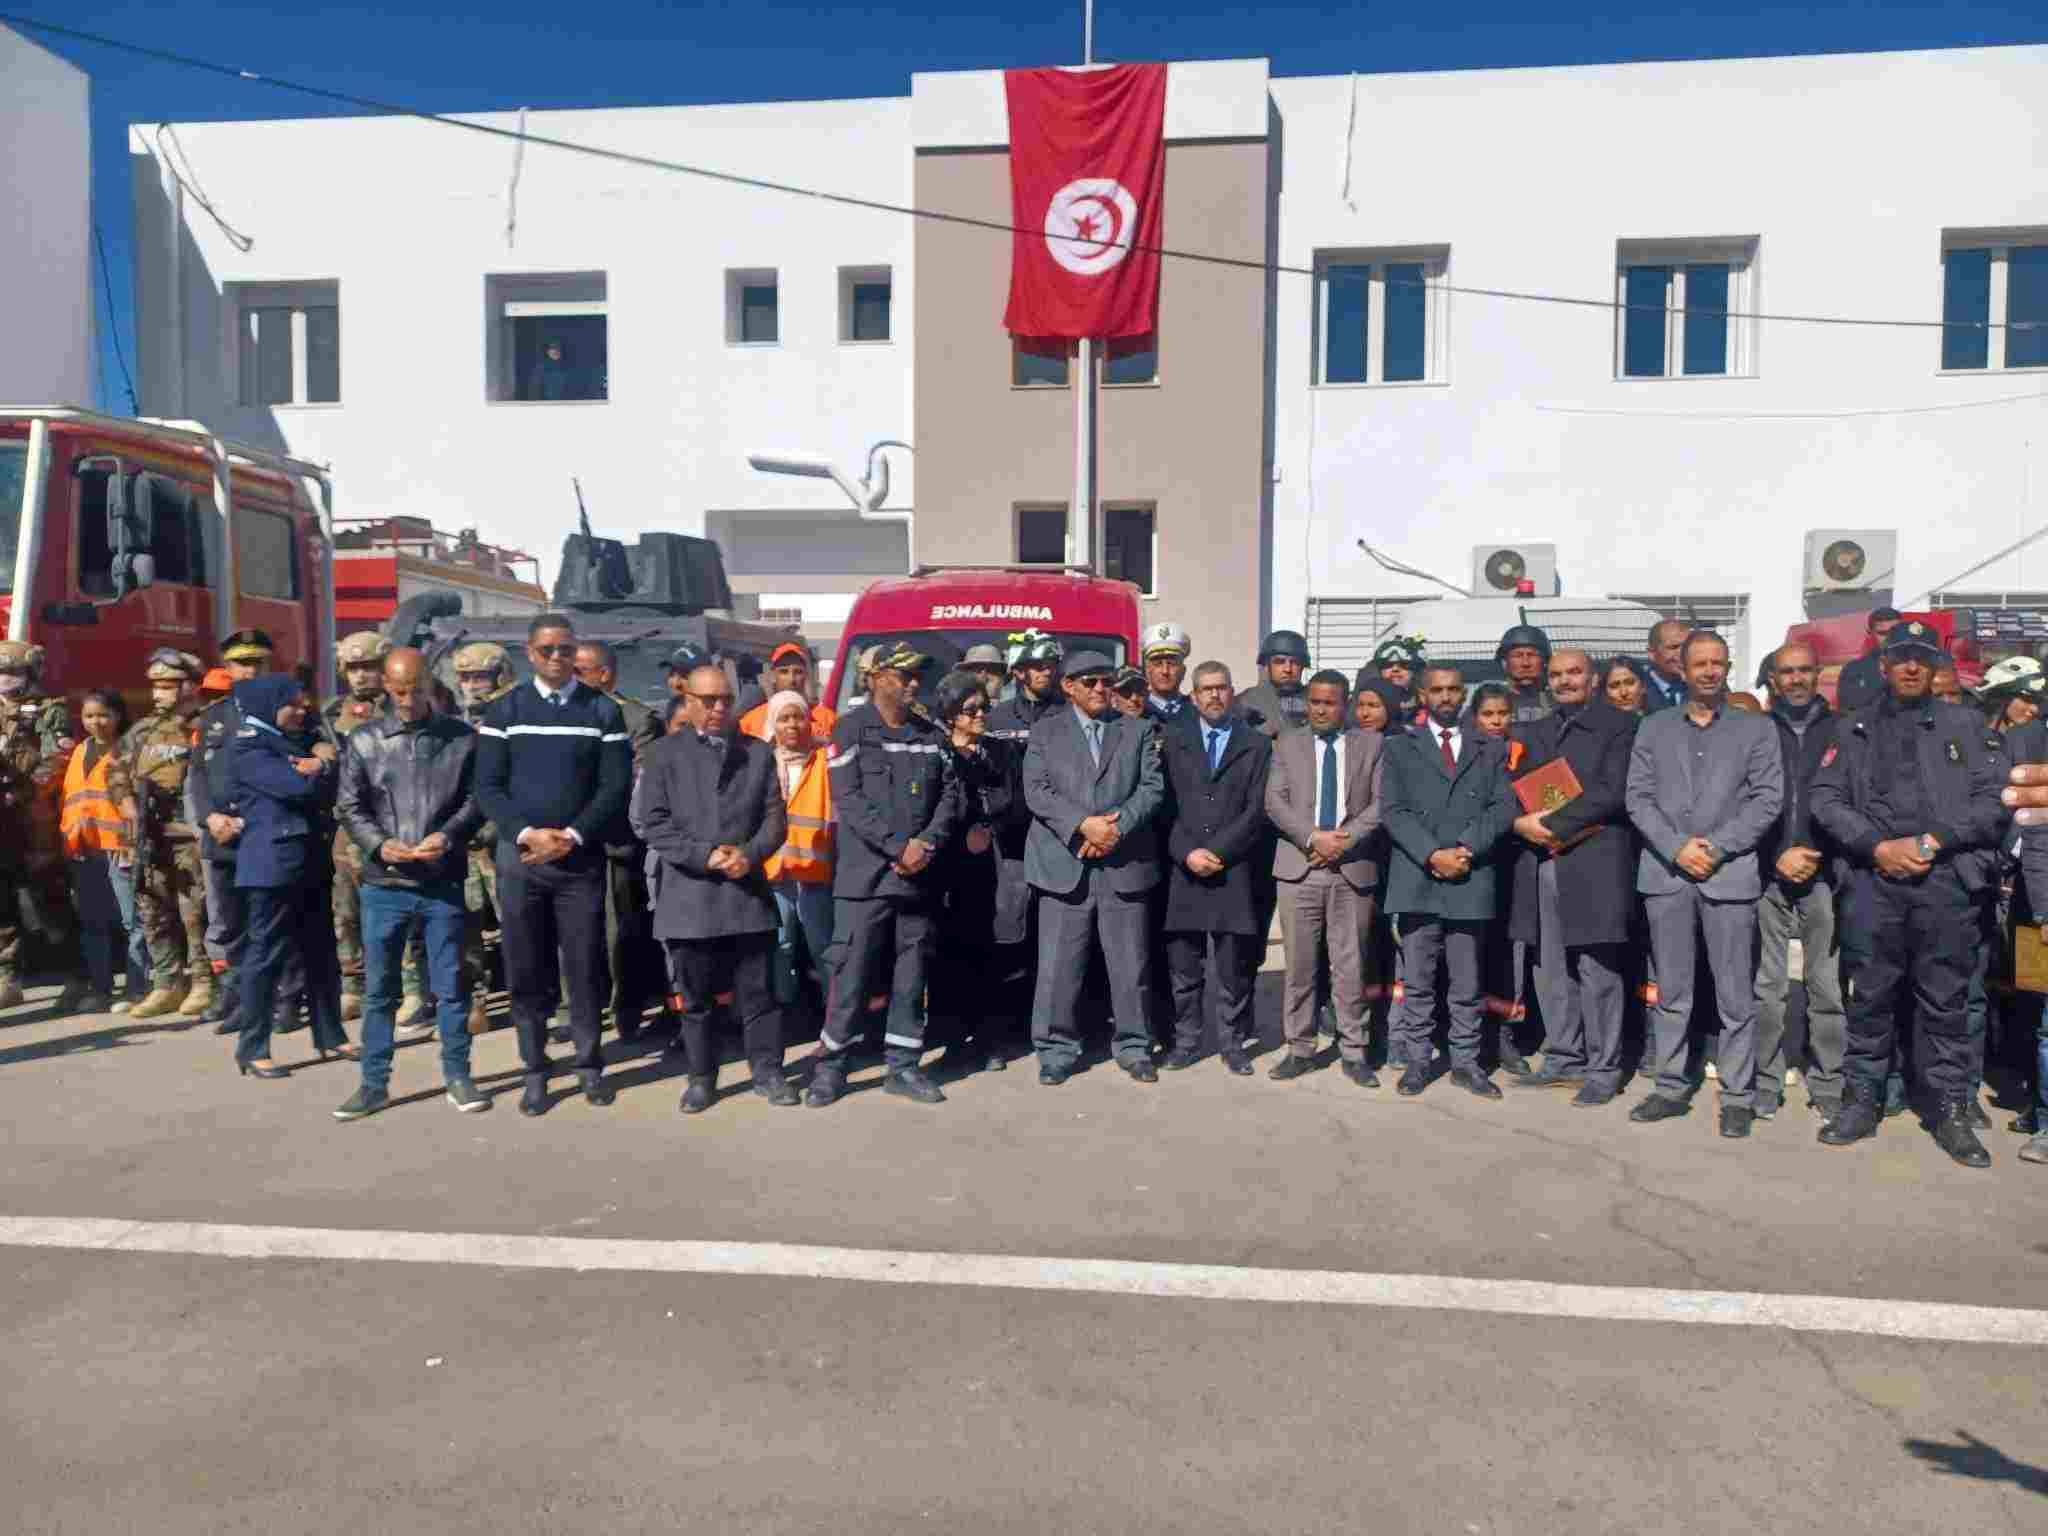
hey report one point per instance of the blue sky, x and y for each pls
(632, 52)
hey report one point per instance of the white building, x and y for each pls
(46, 253)
(399, 276)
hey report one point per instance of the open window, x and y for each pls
(548, 337)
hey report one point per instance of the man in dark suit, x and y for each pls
(1217, 774)
(1093, 782)
(1574, 904)
(1448, 808)
(1323, 798)
(711, 809)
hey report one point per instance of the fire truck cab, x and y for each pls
(119, 535)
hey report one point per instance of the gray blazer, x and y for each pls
(1062, 785)
(1724, 782)
(1291, 804)
(689, 800)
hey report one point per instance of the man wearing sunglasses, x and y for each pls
(553, 772)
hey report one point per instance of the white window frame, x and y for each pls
(510, 296)
(1151, 509)
(1739, 254)
(738, 279)
(1066, 512)
(2001, 243)
(849, 279)
(247, 299)
(1436, 314)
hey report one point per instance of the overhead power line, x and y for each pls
(996, 226)
(114, 323)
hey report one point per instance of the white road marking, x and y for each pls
(1105, 1277)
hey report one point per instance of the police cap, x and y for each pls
(1165, 639)
(247, 645)
(1914, 639)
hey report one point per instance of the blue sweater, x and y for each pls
(566, 766)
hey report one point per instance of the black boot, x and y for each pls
(1857, 1119)
(1954, 1134)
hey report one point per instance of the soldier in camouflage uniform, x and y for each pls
(638, 970)
(483, 674)
(35, 741)
(168, 906)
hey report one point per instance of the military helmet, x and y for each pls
(1403, 650)
(167, 665)
(364, 648)
(20, 656)
(1519, 635)
(1284, 642)
(483, 656)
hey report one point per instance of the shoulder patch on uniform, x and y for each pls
(1830, 755)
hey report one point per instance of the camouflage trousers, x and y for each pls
(36, 898)
(348, 926)
(480, 897)
(170, 909)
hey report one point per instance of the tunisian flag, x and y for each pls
(1087, 178)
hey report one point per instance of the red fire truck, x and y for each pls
(118, 536)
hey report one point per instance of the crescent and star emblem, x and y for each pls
(1088, 225)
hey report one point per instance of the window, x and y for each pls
(13, 484)
(1681, 307)
(1042, 534)
(1128, 545)
(1994, 299)
(1381, 316)
(174, 543)
(752, 308)
(266, 554)
(547, 337)
(287, 342)
(864, 303)
(1130, 360)
(1045, 368)
(95, 553)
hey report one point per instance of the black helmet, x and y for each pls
(1520, 635)
(1284, 642)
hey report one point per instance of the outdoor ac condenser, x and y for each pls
(1496, 568)
(1851, 559)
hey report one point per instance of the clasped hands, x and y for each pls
(1898, 858)
(916, 855)
(544, 845)
(428, 848)
(1451, 863)
(1100, 835)
(727, 860)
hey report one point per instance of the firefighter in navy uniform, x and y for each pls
(1035, 660)
(1909, 796)
(897, 806)
(245, 654)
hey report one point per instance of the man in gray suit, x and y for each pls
(1094, 784)
(1705, 783)
(1323, 797)
(709, 808)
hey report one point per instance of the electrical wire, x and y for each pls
(114, 325)
(1709, 415)
(995, 226)
(167, 140)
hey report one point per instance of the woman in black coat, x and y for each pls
(966, 982)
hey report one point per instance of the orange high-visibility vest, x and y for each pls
(806, 851)
(88, 819)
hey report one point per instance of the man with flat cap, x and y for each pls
(1095, 785)
(985, 661)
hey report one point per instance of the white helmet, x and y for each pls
(1164, 636)
(2012, 674)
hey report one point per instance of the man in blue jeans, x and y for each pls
(408, 800)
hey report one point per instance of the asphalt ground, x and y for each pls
(175, 1391)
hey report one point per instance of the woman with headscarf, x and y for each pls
(973, 924)
(285, 791)
(800, 875)
(1377, 705)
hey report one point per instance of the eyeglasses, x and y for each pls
(712, 700)
(555, 652)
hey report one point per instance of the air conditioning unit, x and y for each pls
(1498, 569)
(1851, 559)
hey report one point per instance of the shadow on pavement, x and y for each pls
(1974, 1458)
(93, 1040)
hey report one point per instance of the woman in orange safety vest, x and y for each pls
(100, 852)
(800, 872)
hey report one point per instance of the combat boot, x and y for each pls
(409, 1010)
(1954, 1134)
(161, 1000)
(199, 1000)
(11, 995)
(1857, 1119)
(351, 1006)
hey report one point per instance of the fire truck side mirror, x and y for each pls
(131, 526)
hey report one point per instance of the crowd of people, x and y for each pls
(1605, 864)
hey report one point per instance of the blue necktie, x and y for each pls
(1326, 798)
(1095, 741)
(1215, 752)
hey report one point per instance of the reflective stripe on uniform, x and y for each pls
(554, 730)
(904, 1040)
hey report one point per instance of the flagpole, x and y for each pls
(1083, 518)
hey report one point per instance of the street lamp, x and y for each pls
(867, 494)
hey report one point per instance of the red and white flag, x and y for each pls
(1087, 179)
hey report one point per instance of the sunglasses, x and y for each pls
(974, 710)
(712, 700)
(1094, 680)
(555, 652)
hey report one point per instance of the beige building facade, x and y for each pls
(1183, 429)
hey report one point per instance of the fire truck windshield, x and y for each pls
(13, 483)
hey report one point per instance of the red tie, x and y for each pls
(1450, 758)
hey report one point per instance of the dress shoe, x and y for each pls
(698, 1096)
(770, 1083)
(2034, 1150)
(2029, 1123)
(1140, 1069)
(362, 1103)
(1856, 1120)
(1054, 1077)
(1973, 1107)
(351, 1006)
(1549, 1076)
(1513, 1061)
(827, 1087)
(1658, 1107)
(1954, 1134)
(996, 1060)
(1592, 1096)
(1413, 1080)
(595, 1089)
(534, 1101)
(1290, 1066)
(1356, 1071)
(1179, 1059)
(466, 1096)
(68, 1000)
(1736, 1120)
(911, 1083)
(228, 1024)
(1475, 1082)
(270, 1072)
(1236, 1063)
